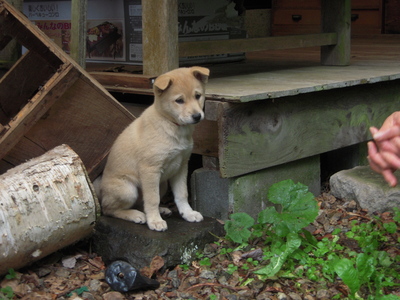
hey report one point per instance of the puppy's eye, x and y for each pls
(198, 96)
(179, 101)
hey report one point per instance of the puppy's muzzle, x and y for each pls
(196, 118)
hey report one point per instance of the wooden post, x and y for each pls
(336, 17)
(160, 36)
(78, 31)
(46, 203)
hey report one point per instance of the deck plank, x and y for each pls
(276, 74)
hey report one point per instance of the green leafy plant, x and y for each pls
(78, 291)
(296, 208)
(11, 274)
(205, 262)
(7, 292)
(290, 250)
(238, 228)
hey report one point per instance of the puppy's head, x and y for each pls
(180, 94)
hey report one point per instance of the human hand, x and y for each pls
(384, 152)
(379, 164)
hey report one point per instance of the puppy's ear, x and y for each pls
(162, 83)
(201, 73)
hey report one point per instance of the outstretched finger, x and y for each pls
(389, 177)
(387, 133)
(391, 159)
(376, 158)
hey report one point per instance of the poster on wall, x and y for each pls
(105, 40)
(114, 27)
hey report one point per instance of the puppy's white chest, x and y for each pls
(171, 167)
(174, 161)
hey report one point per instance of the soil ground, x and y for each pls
(76, 273)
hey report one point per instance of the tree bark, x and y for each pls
(46, 204)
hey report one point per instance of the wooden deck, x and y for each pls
(281, 115)
(277, 73)
(280, 73)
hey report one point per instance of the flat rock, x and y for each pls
(366, 187)
(116, 239)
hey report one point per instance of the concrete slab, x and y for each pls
(366, 187)
(116, 239)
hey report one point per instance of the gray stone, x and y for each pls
(366, 187)
(116, 239)
(218, 197)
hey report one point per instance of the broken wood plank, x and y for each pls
(125, 80)
(36, 107)
(68, 107)
(256, 44)
(17, 26)
(15, 90)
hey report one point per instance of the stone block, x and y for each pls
(366, 187)
(116, 239)
(217, 197)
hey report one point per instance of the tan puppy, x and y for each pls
(155, 150)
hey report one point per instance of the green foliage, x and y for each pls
(79, 291)
(7, 292)
(205, 262)
(184, 267)
(298, 208)
(291, 251)
(238, 228)
(11, 274)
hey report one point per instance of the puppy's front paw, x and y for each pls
(192, 216)
(159, 225)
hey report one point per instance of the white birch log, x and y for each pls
(46, 204)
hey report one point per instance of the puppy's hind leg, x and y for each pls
(118, 199)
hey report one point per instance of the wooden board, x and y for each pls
(280, 73)
(114, 81)
(259, 135)
(36, 107)
(256, 44)
(18, 90)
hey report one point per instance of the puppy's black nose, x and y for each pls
(196, 117)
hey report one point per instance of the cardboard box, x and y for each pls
(115, 27)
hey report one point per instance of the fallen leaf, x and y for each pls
(156, 264)
(113, 296)
(236, 257)
(69, 262)
(256, 254)
(97, 262)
